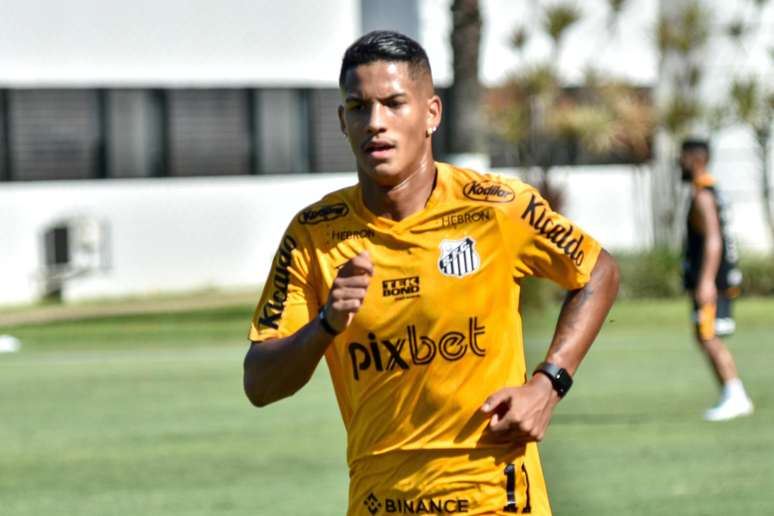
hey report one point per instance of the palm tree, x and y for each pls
(681, 34)
(558, 18)
(466, 136)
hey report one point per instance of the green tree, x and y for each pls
(681, 35)
(537, 116)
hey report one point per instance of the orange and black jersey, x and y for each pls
(438, 332)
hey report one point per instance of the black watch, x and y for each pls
(560, 378)
(321, 316)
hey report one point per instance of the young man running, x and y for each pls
(408, 284)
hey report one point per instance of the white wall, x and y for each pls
(166, 234)
(184, 234)
(189, 42)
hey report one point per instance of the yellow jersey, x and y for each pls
(439, 331)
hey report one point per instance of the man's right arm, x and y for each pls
(706, 291)
(277, 368)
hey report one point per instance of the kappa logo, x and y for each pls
(325, 213)
(459, 257)
(488, 191)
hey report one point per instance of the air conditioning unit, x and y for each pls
(72, 248)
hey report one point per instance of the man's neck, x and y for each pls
(403, 199)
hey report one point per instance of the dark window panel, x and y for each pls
(56, 134)
(283, 128)
(5, 156)
(208, 132)
(331, 151)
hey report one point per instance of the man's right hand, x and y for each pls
(706, 293)
(348, 291)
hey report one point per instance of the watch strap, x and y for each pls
(321, 316)
(560, 378)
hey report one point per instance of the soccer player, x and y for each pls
(408, 284)
(711, 276)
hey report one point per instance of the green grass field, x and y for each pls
(145, 415)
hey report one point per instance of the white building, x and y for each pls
(130, 100)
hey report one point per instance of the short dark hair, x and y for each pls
(696, 144)
(385, 45)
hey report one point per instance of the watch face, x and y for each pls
(560, 378)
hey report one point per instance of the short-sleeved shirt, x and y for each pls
(438, 332)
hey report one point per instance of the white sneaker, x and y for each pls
(730, 408)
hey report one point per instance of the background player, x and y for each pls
(711, 276)
(408, 284)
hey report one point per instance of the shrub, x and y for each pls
(650, 274)
(654, 274)
(758, 271)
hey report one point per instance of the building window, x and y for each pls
(54, 134)
(208, 132)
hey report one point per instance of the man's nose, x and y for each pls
(376, 118)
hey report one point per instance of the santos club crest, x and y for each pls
(458, 257)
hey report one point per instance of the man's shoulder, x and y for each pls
(332, 206)
(485, 187)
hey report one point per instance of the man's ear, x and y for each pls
(434, 112)
(342, 125)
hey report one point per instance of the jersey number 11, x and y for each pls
(510, 490)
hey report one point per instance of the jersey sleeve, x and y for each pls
(288, 300)
(547, 244)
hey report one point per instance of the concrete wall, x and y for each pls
(165, 234)
(182, 234)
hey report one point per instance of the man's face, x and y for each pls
(386, 115)
(686, 167)
(690, 161)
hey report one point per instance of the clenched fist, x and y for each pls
(348, 291)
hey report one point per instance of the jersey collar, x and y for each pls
(439, 193)
(704, 181)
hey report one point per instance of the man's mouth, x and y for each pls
(379, 149)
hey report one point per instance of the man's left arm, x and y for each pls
(524, 412)
(706, 291)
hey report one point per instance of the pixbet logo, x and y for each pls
(387, 354)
